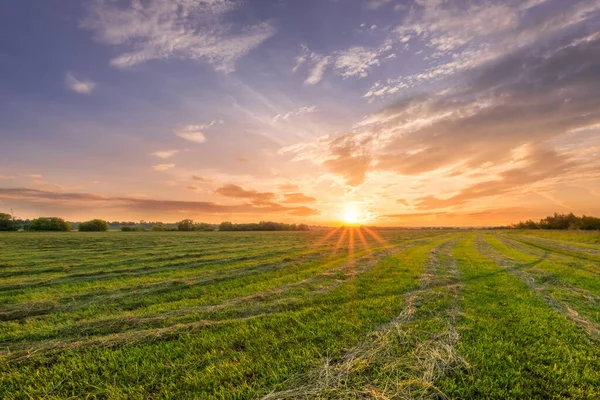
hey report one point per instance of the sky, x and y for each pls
(392, 112)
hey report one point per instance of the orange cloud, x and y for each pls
(297, 198)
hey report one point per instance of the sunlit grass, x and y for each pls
(239, 315)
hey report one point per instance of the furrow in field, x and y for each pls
(351, 269)
(146, 269)
(543, 255)
(131, 289)
(569, 249)
(184, 290)
(543, 287)
(402, 358)
(259, 303)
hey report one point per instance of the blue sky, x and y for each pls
(408, 112)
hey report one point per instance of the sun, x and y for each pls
(350, 216)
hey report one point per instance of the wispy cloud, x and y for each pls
(81, 86)
(195, 133)
(49, 200)
(163, 167)
(202, 179)
(355, 61)
(161, 29)
(164, 154)
(289, 114)
(238, 192)
(317, 71)
(497, 127)
(454, 46)
(297, 198)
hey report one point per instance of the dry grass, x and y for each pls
(400, 359)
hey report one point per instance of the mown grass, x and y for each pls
(517, 345)
(290, 315)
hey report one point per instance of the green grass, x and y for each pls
(233, 315)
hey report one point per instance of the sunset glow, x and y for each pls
(393, 113)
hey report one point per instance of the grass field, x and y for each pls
(353, 314)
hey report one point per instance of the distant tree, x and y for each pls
(49, 224)
(157, 228)
(95, 225)
(262, 226)
(226, 226)
(185, 225)
(561, 221)
(8, 223)
(203, 226)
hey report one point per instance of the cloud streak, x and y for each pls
(163, 29)
(80, 86)
(42, 199)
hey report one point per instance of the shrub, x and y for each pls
(203, 226)
(95, 225)
(157, 228)
(130, 229)
(49, 224)
(8, 223)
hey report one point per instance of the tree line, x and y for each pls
(9, 223)
(561, 221)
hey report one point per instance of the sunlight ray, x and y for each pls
(361, 236)
(375, 235)
(340, 240)
(329, 234)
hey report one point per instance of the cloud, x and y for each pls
(541, 164)
(499, 124)
(357, 61)
(297, 198)
(78, 85)
(42, 200)
(6, 177)
(238, 192)
(194, 188)
(164, 154)
(286, 187)
(202, 179)
(163, 29)
(318, 70)
(191, 133)
(290, 114)
(452, 46)
(376, 4)
(195, 133)
(163, 167)
(350, 158)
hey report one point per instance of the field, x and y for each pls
(349, 314)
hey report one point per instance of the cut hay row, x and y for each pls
(543, 288)
(236, 308)
(399, 359)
